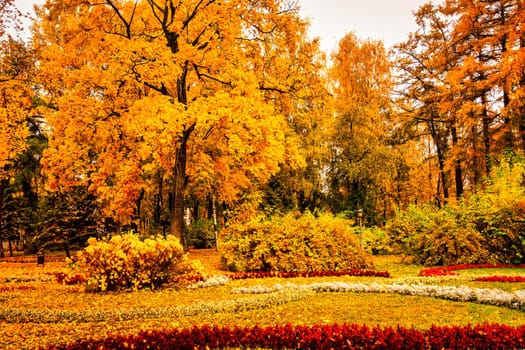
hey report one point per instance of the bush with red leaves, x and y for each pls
(64, 278)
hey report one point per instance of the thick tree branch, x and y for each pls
(127, 24)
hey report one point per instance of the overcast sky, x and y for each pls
(386, 20)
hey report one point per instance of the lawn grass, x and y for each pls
(46, 295)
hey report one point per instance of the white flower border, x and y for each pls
(212, 281)
(497, 297)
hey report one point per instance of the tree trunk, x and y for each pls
(66, 249)
(179, 187)
(477, 168)
(3, 185)
(215, 225)
(440, 144)
(508, 137)
(443, 174)
(157, 202)
(522, 107)
(486, 137)
(457, 166)
(210, 203)
(179, 170)
(522, 128)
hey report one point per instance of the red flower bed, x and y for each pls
(486, 336)
(13, 288)
(33, 259)
(501, 279)
(187, 279)
(449, 270)
(260, 274)
(61, 277)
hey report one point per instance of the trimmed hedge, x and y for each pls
(346, 336)
(293, 244)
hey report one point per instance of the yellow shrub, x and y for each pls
(128, 262)
(293, 243)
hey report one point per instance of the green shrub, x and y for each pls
(498, 214)
(447, 241)
(127, 262)
(376, 241)
(436, 236)
(501, 226)
(292, 243)
(406, 225)
(201, 234)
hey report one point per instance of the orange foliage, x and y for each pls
(15, 99)
(178, 93)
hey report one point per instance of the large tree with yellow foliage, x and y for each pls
(156, 94)
(15, 93)
(365, 164)
(16, 65)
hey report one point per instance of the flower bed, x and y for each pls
(24, 279)
(213, 281)
(33, 259)
(497, 297)
(486, 336)
(281, 274)
(199, 281)
(449, 270)
(501, 279)
(68, 279)
(13, 288)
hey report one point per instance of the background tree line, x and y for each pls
(129, 114)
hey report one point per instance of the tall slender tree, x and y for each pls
(362, 160)
(424, 95)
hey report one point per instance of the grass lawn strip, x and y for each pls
(15, 315)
